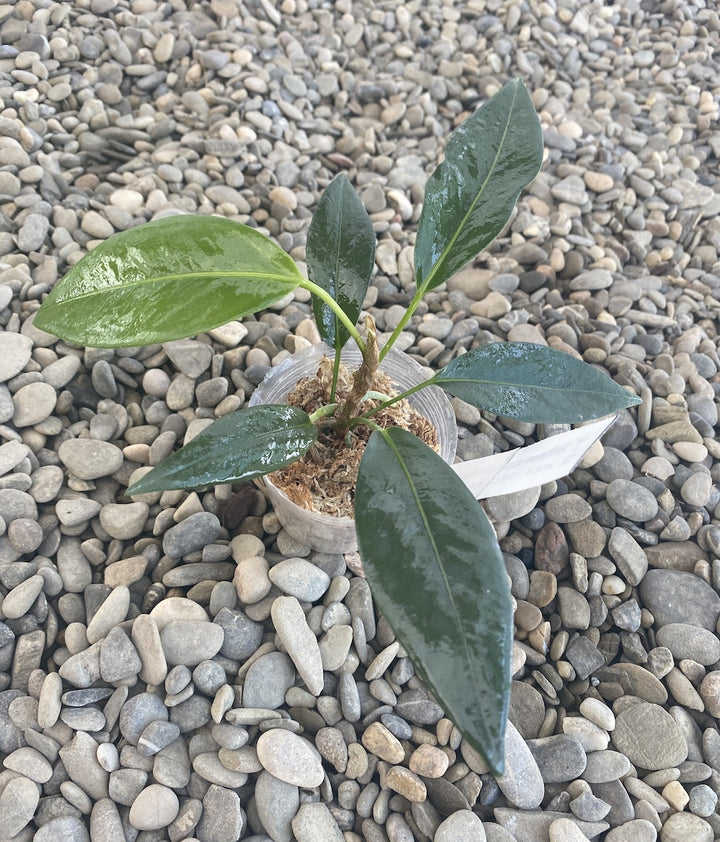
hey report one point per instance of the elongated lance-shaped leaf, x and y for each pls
(340, 253)
(469, 198)
(239, 446)
(168, 279)
(532, 383)
(437, 574)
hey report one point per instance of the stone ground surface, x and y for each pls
(144, 692)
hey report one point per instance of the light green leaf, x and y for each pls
(489, 159)
(532, 383)
(340, 254)
(168, 279)
(239, 446)
(437, 574)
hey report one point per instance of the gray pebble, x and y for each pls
(31, 235)
(674, 596)
(299, 641)
(277, 804)
(690, 641)
(682, 826)
(119, 660)
(267, 681)
(222, 816)
(522, 782)
(191, 534)
(69, 828)
(242, 636)
(315, 823)
(189, 642)
(649, 737)
(696, 489)
(190, 357)
(606, 765)
(18, 802)
(567, 508)
(105, 821)
(628, 555)
(89, 459)
(154, 808)
(300, 578)
(79, 757)
(15, 352)
(138, 712)
(703, 800)
(631, 500)
(560, 758)
(33, 404)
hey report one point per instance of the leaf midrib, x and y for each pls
(336, 279)
(158, 279)
(441, 381)
(441, 260)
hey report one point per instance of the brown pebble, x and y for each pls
(551, 549)
(378, 740)
(429, 761)
(406, 783)
(543, 588)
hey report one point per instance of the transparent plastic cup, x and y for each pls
(327, 533)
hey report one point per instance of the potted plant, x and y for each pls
(429, 552)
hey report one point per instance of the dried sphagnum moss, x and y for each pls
(323, 480)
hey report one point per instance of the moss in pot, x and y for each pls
(430, 555)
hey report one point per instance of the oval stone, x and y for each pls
(155, 807)
(190, 641)
(290, 758)
(521, 783)
(693, 642)
(649, 737)
(89, 459)
(33, 404)
(18, 801)
(631, 500)
(559, 757)
(15, 352)
(677, 597)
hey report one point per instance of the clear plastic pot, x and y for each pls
(327, 533)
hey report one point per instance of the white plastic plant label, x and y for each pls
(535, 464)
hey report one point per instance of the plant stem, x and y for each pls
(362, 419)
(336, 372)
(417, 298)
(322, 412)
(391, 401)
(336, 308)
(364, 377)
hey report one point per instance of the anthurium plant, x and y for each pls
(429, 552)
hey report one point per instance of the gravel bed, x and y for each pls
(176, 667)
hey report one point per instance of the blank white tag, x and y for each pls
(535, 464)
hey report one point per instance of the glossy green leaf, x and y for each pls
(340, 253)
(168, 279)
(239, 446)
(469, 198)
(437, 574)
(532, 383)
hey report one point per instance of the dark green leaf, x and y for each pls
(169, 279)
(437, 574)
(340, 253)
(239, 446)
(532, 383)
(470, 196)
